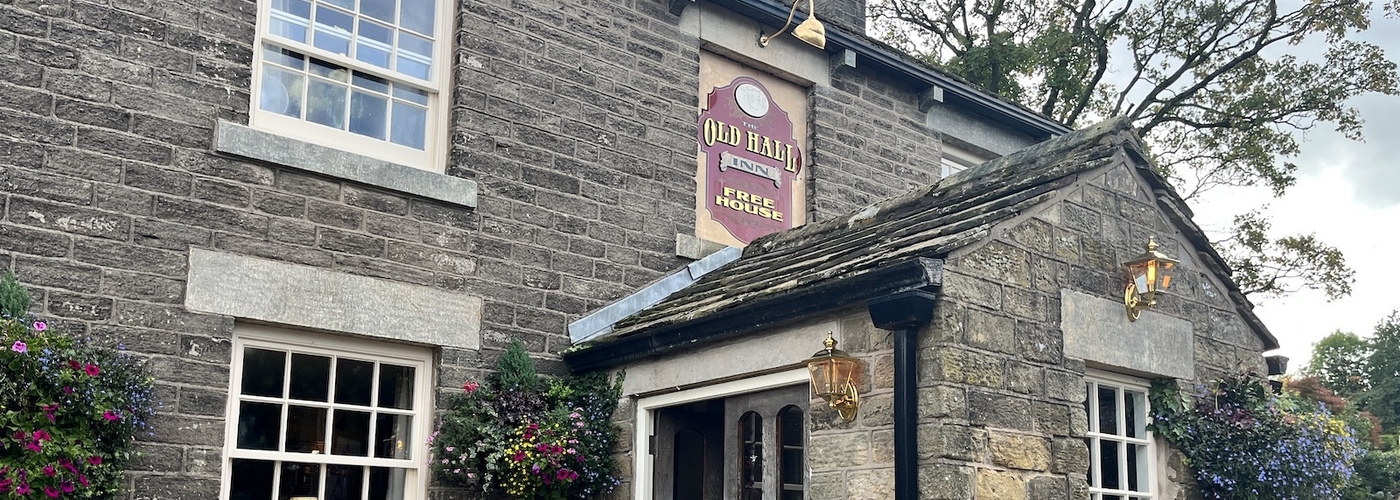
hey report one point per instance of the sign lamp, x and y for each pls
(810, 30)
(1148, 275)
(835, 377)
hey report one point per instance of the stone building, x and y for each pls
(374, 197)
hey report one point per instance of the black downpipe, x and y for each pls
(904, 314)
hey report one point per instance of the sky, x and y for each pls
(1348, 194)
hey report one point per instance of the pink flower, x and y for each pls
(35, 446)
(519, 456)
(5, 485)
(20, 347)
(67, 464)
(94, 460)
(82, 479)
(50, 471)
(22, 489)
(92, 370)
(51, 491)
(67, 390)
(42, 435)
(74, 364)
(110, 415)
(470, 387)
(66, 486)
(40, 326)
(21, 436)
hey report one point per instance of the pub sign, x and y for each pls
(752, 160)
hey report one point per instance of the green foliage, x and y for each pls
(554, 444)
(516, 371)
(1244, 443)
(1339, 363)
(1377, 477)
(1383, 371)
(68, 411)
(1213, 85)
(14, 299)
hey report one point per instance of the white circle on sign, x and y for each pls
(751, 100)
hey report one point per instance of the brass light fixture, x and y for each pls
(810, 30)
(836, 378)
(1148, 276)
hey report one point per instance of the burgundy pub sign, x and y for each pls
(752, 160)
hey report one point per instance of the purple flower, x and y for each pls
(20, 347)
(22, 489)
(40, 326)
(50, 471)
(110, 415)
(51, 491)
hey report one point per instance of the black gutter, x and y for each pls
(904, 314)
(765, 311)
(954, 89)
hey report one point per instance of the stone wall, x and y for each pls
(1001, 404)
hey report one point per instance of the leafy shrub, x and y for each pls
(509, 436)
(68, 408)
(1242, 442)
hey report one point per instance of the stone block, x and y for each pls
(1000, 263)
(832, 451)
(1052, 418)
(1098, 329)
(1002, 411)
(289, 294)
(970, 290)
(958, 442)
(1024, 378)
(1064, 386)
(991, 332)
(1033, 234)
(1019, 451)
(827, 486)
(1000, 485)
(1024, 303)
(945, 482)
(871, 484)
(1047, 488)
(1069, 456)
(962, 366)
(877, 410)
(1038, 342)
(942, 402)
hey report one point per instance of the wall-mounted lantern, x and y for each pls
(1147, 275)
(810, 30)
(836, 377)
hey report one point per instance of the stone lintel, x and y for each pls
(322, 299)
(239, 140)
(1097, 330)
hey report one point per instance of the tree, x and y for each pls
(1214, 86)
(1339, 363)
(1383, 368)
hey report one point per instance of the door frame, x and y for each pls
(644, 463)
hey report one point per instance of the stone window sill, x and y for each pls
(240, 140)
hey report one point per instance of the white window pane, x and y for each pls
(415, 56)
(1108, 465)
(284, 57)
(418, 15)
(374, 43)
(263, 371)
(378, 9)
(333, 30)
(369, 114)
(395, 386)
(344, 482)
(252, 480)
(370, 82)
(329, 70)
(310, 377)
(1135, 413)
(386, 483)
(281, 94)
(410, 125)
(299, 480)
(350, 433)
(325, 103)
(353, 380)
(306, 430)
(393, 434)
(259, 425)
(345, 4)
(1108, 410)
(1137, 468)
(290, 19)
(411, 94)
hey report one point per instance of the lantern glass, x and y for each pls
(830, 374)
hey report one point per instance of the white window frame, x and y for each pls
(956, 160)
(433, 157)
(294, 341)
(1093, 379)
(644, 463)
